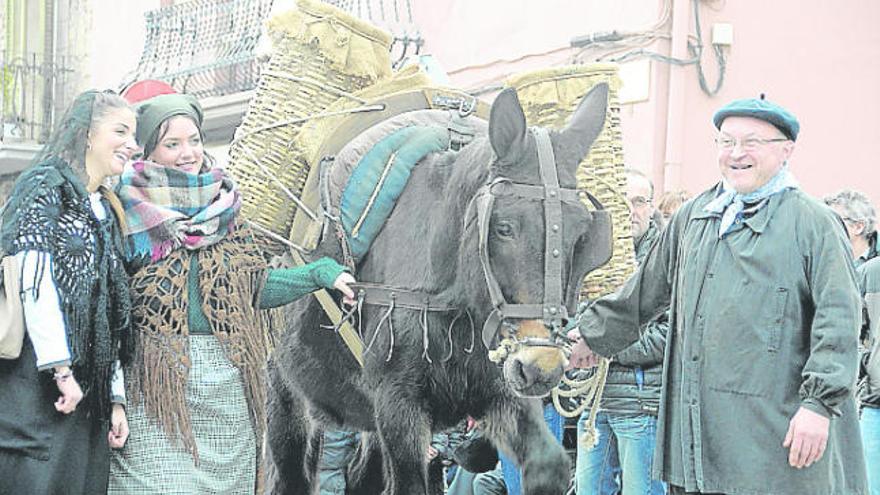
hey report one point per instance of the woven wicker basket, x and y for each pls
(549, 97)
(320, 54)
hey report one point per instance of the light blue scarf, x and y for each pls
(731, 204)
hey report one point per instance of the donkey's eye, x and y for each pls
(504, 229)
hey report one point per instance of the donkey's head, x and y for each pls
(537, 239)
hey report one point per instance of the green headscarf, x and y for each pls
(153, 112)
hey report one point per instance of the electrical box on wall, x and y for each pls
(722, 34)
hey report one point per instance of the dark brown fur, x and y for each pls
(429, 243)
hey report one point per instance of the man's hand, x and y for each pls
(581, 355)
(71, 394)
(118, 427)
(341, 284)
(806, 438)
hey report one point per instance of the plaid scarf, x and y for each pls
(167, 208)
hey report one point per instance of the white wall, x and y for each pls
(116, 40)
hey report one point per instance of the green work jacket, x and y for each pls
(763, 321)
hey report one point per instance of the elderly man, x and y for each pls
(626, 422)
(860, 219)
(761, 356)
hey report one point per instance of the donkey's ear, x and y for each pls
(586, 123)
(507, 125)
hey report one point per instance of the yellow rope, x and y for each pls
(590, 389)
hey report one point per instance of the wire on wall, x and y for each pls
(623, 46)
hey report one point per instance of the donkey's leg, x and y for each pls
(405, 434)
(289, 436)
(365, 474)
(517, 426)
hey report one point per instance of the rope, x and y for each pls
(375, 194)
(424, 322)
(277, 237)
(590, 389)
(299, 120)
(614, 190)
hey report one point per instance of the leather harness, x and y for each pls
(552, 310)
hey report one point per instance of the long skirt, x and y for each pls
(44, 452)
(150, 463)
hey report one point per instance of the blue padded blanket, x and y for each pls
(380, 177)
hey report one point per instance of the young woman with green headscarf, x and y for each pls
(202, 315)
(56, 418)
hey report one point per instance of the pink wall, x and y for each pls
(815, 57)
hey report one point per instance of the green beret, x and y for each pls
(152, 112)
(759, 108)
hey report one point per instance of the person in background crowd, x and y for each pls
(338, 450)
(626, 423)
(61, 400)
(478, 471)
(669, 202)
(860, 219)
(869, 279)
(761, 357)
(513, 473)
(200, 294)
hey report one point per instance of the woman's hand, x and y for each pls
(71, 394)
(342, 285)
(118, 427)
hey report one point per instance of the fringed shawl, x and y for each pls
(232, 273)
(49, 212)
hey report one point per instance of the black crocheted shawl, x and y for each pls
(49, 212)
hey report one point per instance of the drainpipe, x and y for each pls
(675, 109)
(49, 68)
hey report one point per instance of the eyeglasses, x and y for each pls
(747, 144)
(639, 201)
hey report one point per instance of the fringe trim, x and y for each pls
(231, 275)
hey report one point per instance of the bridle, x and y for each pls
(552, 311)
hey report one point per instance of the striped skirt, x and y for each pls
(151, 464)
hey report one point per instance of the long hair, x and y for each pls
(69, 140)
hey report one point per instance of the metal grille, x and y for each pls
(204, 47)
(27, 104)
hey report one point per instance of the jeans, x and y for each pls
(339, 448)
(621, 458)
(468, 483)
(870, 423)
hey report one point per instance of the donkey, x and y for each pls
(421, 370)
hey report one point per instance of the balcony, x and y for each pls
(34, 94)
(206, 48)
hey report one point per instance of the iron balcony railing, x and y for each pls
(33, 92)
(204, 47)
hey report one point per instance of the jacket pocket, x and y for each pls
(775, 318)
(743, 341)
